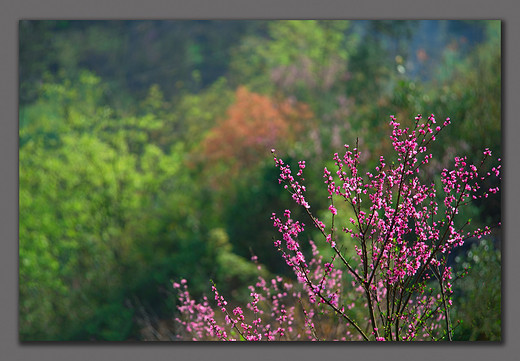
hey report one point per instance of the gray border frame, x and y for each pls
(13, 11)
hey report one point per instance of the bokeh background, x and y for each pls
(144, 154)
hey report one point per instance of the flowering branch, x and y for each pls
(401, 239)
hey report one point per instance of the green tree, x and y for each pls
(107, 217)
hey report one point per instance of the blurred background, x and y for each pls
(144, 154)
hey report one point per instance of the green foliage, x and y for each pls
(232, 270)
(479, 306)
(248, 215)
(105, 215)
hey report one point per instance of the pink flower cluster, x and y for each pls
(295, 188)
(276, 312)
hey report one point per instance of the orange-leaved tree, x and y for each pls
(254, 124)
